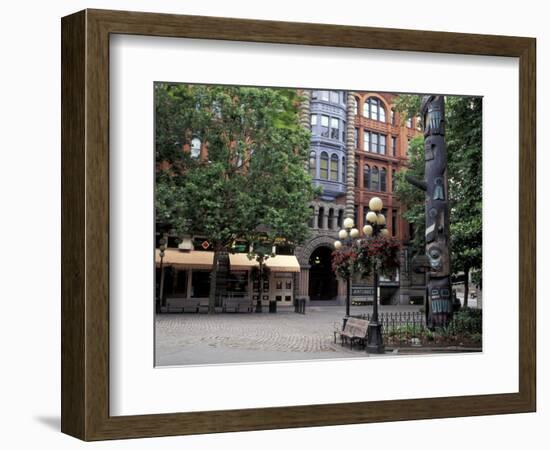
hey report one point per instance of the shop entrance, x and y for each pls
(322, 281)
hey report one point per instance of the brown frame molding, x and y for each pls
(85, 224)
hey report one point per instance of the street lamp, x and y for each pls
(162, 249)
(376, 226)
(347, 235)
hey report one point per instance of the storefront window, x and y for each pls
(200, 284)
(180, 282)
(237, 282)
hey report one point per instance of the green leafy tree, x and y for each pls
(464, 144)
(464, 167)
(249, 180)
(412, 197)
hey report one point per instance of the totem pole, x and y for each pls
(439, 300)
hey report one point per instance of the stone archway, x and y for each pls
(321, 238)
(304, 253)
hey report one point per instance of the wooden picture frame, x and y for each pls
(85, 224)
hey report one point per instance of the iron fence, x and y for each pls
(415, 322)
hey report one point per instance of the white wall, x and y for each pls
(30, 226)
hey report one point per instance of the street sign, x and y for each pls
(362, 293)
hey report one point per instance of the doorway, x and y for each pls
(322, 281)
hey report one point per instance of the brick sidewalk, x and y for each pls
(183, 339)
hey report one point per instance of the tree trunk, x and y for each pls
(466, 286)
(213, 278)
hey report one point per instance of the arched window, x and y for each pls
(383, 180)
(313, 164)
(374, 109)
(374, 180)
(366, 177)
(340, 218)
(195, 147)
(323, 170)
(343, 180)
(320, 217)
(311, 217)
(331, 219)
(334, 167)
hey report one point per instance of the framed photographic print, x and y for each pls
(273, 225)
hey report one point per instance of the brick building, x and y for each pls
(358, 144)
(376, 152)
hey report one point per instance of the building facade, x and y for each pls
(358, 144)
(376, 152)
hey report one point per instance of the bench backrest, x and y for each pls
(357, 327)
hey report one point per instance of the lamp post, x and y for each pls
(376, 226)
(347, 235)
(162, 249)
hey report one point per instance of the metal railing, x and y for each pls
(415, 322)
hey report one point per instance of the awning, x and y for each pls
(278, 263)
(185, 260)
(239, 261)
(283, 263)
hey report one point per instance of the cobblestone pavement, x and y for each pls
(183, 339)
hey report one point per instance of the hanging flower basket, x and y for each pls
(344, 261)
(380, 253)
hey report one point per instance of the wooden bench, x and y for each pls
(182, 305)
(191, 305)
(204, 304)
(355, 331)
(237, 304)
